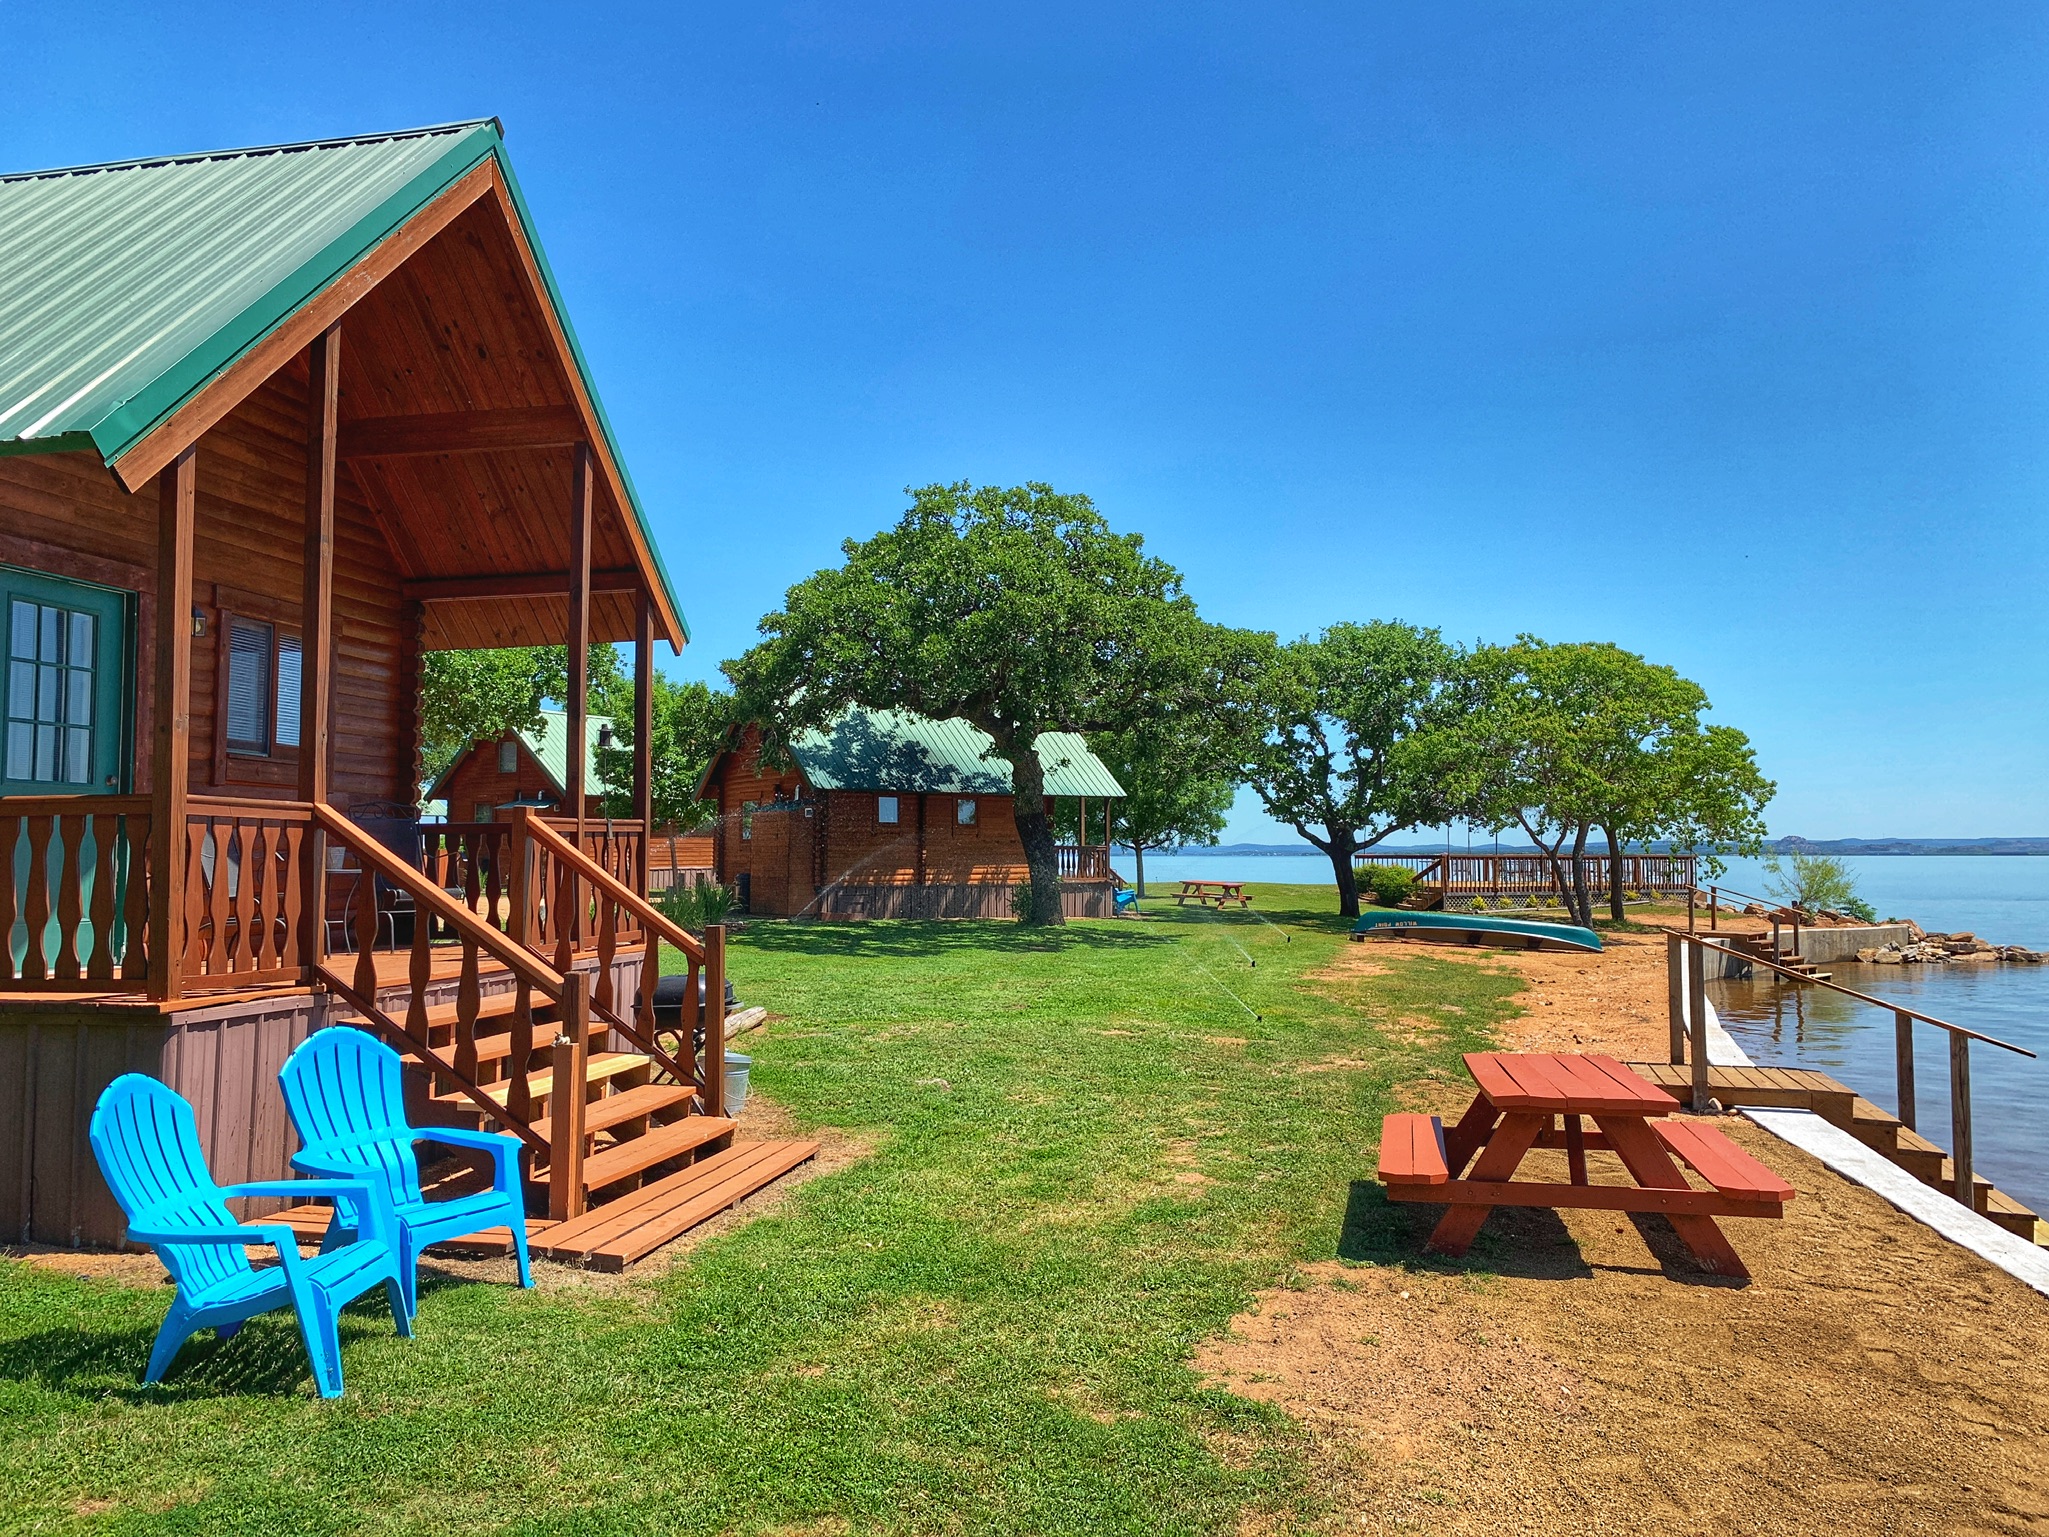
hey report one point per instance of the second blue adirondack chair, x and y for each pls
(344, 1090)
(147, 1143)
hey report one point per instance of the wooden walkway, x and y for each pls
(1799, 1088)
(625, 1229)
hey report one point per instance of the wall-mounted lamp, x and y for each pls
(199, 621)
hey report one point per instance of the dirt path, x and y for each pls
(1576, 1374)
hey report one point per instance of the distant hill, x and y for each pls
(1791, 843)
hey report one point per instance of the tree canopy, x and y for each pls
(1337, 711)
(1563, 739)
(690, 723)
(1017, 609)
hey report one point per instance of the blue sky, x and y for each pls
(1717, 332)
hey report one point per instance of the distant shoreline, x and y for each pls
(1991, 848)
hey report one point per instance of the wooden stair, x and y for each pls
(613, 1236)
(1762, 947)
(1798, 1088)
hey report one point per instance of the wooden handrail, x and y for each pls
(1851, 992)
(73, 805)
(589, 869)
(430, 898)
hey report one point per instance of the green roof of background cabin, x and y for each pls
(895, 750)
(126, 288)
(549, 743)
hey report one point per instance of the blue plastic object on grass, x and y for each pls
(147, 1143)
(347, 1100)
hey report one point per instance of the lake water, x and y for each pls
(2001, 898)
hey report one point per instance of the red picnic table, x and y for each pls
(1523, 1097)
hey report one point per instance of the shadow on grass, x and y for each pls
(1530, 1242)
(941, 936)
(265, 1357)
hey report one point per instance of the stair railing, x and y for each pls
(1692, 986)
(610, 907)
(535, 984)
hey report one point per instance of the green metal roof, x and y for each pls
(126, 288)
(549, 743)
(894, 750)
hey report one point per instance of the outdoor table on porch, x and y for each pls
(1217, 894)
(1521, 1101)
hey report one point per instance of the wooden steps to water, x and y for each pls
(1797, 1088)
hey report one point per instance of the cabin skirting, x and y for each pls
(1078, 899)
(57, 1056)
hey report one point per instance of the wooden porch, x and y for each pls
(1459, 882)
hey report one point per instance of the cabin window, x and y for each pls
(964, 812)
(66, 655)
(508, 760)
(264, 669)
(482, 810)
(886, 810)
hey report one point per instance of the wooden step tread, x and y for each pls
(630, 1105)
(598, 1066)
(498, 1047)
(613, 1236)
(656, 1145)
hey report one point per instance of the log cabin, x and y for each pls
(892, 815)
(275, 423)
(494, 776)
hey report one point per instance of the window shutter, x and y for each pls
(288, 662)
(248, 686)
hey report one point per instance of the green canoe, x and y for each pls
(1476, 929)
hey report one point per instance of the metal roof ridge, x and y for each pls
(255, 149)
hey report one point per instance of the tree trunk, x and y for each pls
(1341, 848)
(1582, 903)
(1138, 853)
(1035, 832)
(1614, 876)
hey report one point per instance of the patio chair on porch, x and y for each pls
(147, 1144)
(344, 1091)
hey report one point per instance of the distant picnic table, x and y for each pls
(1522, 1098)
(1217, 894)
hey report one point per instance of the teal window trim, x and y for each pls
(111, 674)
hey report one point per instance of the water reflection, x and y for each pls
(1786, 1025)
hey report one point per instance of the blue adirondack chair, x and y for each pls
(343, 1089)
(147, 1144)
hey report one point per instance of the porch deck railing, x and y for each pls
(1529, 875)
(74, 902)
(1084, 861)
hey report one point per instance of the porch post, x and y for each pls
(644, 730)
(316, 639)
(177, 497)
(576, 750)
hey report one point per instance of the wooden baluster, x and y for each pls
(219, 893)
(10, 840)
(36, 906)
(257, 874)
(196, 941)
(420, 977)
(650, 974)
(713, 1096)
(70, 880)
(106, 839)
(519, 916)
(566, 1104)
(134, 959)
(292, 879)
(467, 1003)
(608, 946)
(365, 918)
(686, 1049)
(562, 914)
(472, 888)
(1903, 1064)
(519, 1097)
(1960, 1117)
(494, 881)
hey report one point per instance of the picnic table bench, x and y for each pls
(1217, 894)
(1539, 1100)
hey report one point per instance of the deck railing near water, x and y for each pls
(1530, 875)
(1686, 979)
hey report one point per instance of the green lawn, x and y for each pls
(1087, 1157)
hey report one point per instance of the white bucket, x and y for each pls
(737, 1069)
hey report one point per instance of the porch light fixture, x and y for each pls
(199, 621)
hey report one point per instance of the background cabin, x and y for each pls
(891, 815)
(274, 423)
(497, 775)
